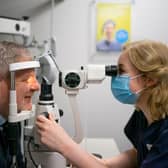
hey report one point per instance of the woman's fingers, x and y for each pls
(51, 117)
(40, 125)
(41, 118)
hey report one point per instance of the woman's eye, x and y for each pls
(121, 71)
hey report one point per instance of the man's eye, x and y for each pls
(24, 80)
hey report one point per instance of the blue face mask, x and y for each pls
(121, 90)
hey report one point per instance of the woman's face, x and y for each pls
(137, 84)
(126, 67)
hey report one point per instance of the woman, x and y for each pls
(142, 80)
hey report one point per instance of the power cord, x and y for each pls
(29, 152)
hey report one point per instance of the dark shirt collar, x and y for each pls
(152, 131)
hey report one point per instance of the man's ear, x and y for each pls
(1, 78)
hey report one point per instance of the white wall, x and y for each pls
(102, 115)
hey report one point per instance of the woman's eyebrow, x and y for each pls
(121, 66)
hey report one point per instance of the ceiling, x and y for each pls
(19, 8)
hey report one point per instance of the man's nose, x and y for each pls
(34, 86)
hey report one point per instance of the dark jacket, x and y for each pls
(5, 148)
(151, 141)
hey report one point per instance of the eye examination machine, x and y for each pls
(35, 154)
(83, 84)
(72, 81)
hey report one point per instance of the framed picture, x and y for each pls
(110, 27)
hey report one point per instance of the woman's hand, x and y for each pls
(52, 134)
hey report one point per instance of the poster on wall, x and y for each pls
(113, 22)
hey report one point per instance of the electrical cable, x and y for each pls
(29, 152)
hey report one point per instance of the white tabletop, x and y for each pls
(106, 147)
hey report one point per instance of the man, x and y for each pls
(26, 85)
(108, 44)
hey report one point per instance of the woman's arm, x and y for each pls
(127, 159)
(54, 136)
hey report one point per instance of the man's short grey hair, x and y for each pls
(9, 52)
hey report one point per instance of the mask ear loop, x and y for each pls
(122, 75)
(137, 92)
(134, 77)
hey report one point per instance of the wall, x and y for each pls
(102, 115)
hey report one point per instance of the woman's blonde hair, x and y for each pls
(151, 59)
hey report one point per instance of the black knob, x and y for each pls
(61, 112)
(46, 114)
(17, 27)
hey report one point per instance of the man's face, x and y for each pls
(26, 85)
